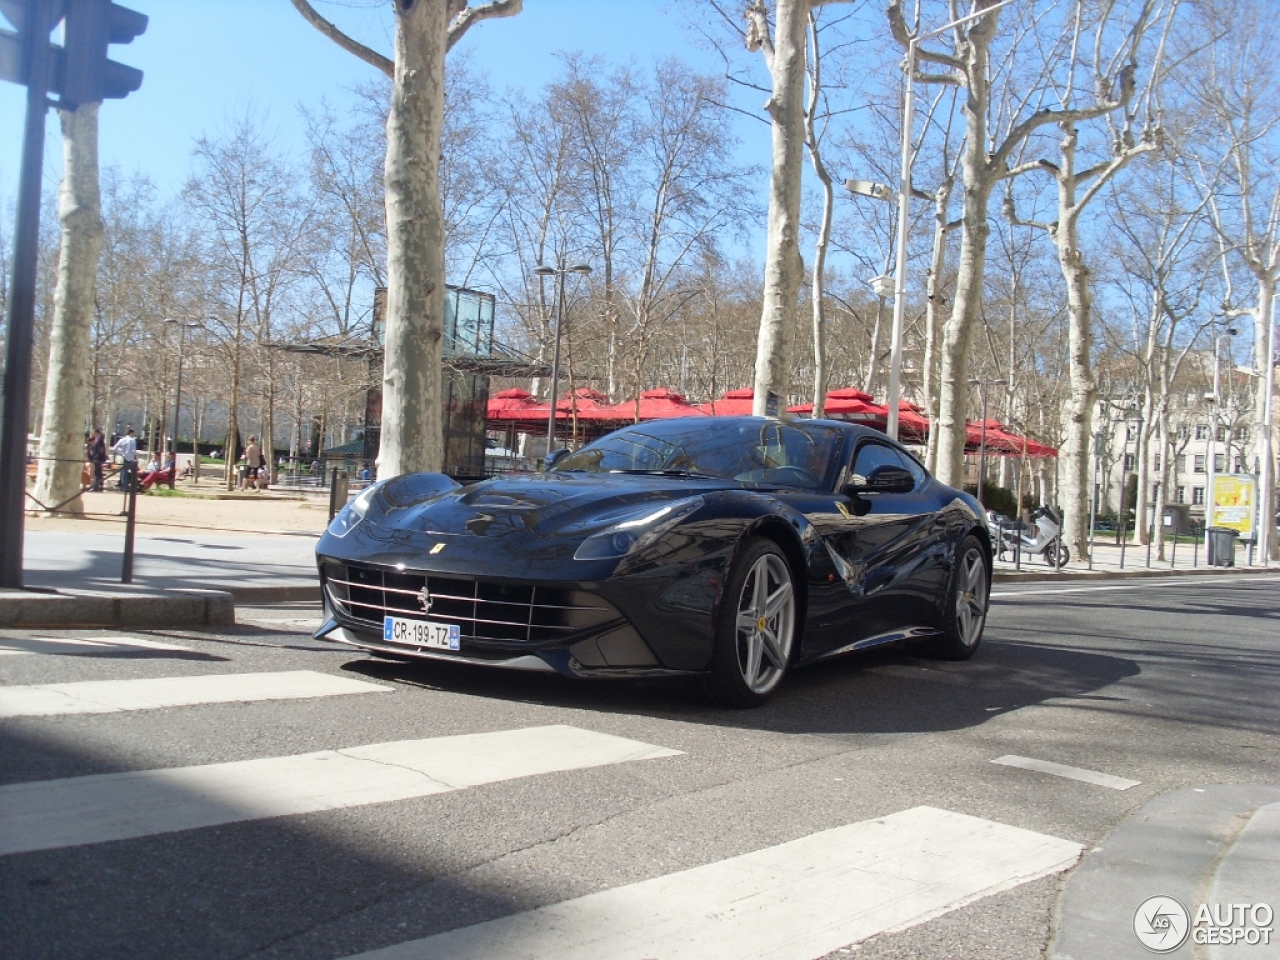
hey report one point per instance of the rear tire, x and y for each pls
(968, 595)
(755, 627)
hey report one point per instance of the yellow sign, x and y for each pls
(1233, 504)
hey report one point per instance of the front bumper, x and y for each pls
(576, 629)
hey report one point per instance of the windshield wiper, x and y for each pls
(670, 473)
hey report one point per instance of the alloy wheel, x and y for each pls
(765, 623)
(971, 598)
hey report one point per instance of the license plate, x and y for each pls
(421, 633)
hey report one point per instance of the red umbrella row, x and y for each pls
(518, 407)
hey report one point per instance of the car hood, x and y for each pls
(540, 505)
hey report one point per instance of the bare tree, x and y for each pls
(412, 435)
(985, 161)
(66, 386)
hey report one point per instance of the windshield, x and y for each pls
(752, 451)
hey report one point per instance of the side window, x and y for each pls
(871, 455)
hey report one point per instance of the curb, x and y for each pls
(289, 593)
(172, 608)
(1038, 576)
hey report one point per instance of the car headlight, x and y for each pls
(619, 539)
(352, 513)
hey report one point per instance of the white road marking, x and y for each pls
(1071, 773)
(796, 901)
(114, 696)
(73, 646)
(1038, 590)
(118, 806)
(315, 620)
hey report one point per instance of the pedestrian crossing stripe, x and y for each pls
(115, 696)
(796, 901)
(50, 814)
(81, 646)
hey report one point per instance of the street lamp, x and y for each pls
(183, 326)
(542, 270)
(1266, 482)
(982, 447)
(904, 209)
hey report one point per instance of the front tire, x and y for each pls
(755, 627)
(968, 596)
(1063, 554)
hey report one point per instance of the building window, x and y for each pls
(1182, 464)
(1197, 496)
(1202, 431)
(1155, 492)
(1222, 434)
(1183, 431)
(1219, 462)
(1129, 432)
(1182, 495)
(1154, 466)
(1198, 461)
(1240, 465)
(1242, 434)
(1128, 460)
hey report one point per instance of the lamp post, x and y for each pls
(559, 271)
(982, 446)
(1136, 415)
(904, 210)
(183, 326)
(1266, 482)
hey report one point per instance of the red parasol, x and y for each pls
(735, 403)
(659, 404)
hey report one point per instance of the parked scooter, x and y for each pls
(1043, 538)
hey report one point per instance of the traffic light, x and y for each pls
(80, 71)
(87, 76)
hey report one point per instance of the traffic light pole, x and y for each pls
(22, 302)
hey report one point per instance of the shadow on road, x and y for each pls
(881, 691)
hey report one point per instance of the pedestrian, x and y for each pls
(126, 448)
(96, 453)
(252, 463)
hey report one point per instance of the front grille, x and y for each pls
(482, 609)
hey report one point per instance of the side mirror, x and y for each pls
(553, 457)
(885, 479)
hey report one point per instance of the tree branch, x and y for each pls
(467, 17)
(898, 27)
(758, 37)
(371, 57)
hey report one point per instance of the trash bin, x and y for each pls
(1222, 547)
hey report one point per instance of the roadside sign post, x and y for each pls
(80, 74)
(35, 20)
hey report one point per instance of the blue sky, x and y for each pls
(206, 60)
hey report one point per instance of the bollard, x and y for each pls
(1173, 554)
(337, 492)
(1195, 553)
(131, 515)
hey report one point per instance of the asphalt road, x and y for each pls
(567, 791)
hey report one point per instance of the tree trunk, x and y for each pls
(953, 393)
(1083, 393)
(784, 266)
(941, 202)
(65, 402)
(412, 432)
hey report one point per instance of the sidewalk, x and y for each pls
(194, 558)
(202, 555)
(1187, 559)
